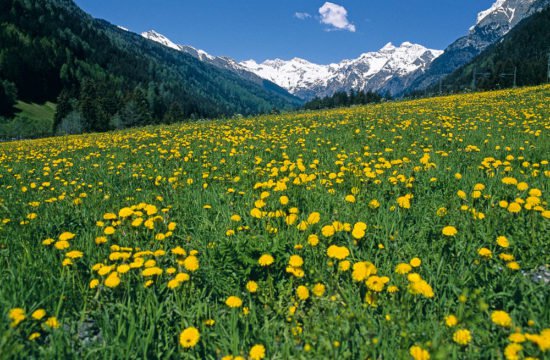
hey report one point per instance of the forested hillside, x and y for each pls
(524, 50)
(103, 77)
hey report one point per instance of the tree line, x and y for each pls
(342, 99)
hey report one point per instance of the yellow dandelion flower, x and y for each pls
(451, 320)
(418, 353)
(52, 322)
(189, 337)
(233, 302)
(38, 314)
(191, 263)
(252, 286)
(66, 236)
(462, 337)
(302, 293)
(257, 352)
(319, 289)
(266, 260)
(502, 241)
(501, 318)
(449, 231)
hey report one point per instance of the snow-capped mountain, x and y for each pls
(491, 25)
(219, 61)
(386, 70)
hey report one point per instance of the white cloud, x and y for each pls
(336, 16)
(302, 15)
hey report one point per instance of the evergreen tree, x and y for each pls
(64, 107)
(8, 97)
(174, 114)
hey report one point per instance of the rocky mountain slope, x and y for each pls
(491, 25)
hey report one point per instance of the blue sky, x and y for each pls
(310, 29)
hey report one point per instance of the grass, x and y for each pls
(31, 121)
(126, 239)
(39, 112)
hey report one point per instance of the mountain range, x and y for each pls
(395, 70)
(388, 70)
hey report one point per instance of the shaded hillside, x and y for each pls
(53, 51)
(525, 49)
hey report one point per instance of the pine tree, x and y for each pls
(64, 107)
(174, 114)
(8, 97)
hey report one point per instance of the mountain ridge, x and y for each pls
(378, 71)
(491, 25)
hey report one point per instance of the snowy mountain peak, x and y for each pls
(388, 47)
(505, 14)
(381, 70)
(161, 39)
(495, 7)
(221, 62)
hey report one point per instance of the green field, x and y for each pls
(394, 231)
(31, 120)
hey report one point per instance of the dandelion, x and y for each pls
(451, 320)
(112, 281)
(485, 253)
(502, 241)
(38, 314)
(374, 204)
(462, 337)
(449, 231)
(16, 315)
(319, 289)
(296, 261)
(313, 240)
(189, 337)
(52, 322)
(337, 252)
(74, 254)
(415, 262)
(109, 230)
(403, 268)
(302, 292)
(313, 218)
(252, 286)
(501, 318)
(233, 302)
(66, 236)
(257, 352)
(191, 263)
(418, 353)
(328, 231)
(362, 270)
(265, 260)
(514, 208)
(511, 351)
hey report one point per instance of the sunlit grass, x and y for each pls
(388, 231)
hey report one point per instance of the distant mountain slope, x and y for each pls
(52, 47)
(525, 49)
(388, 70)
(492, 24)
(222, 62)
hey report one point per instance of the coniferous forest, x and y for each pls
(342, 98)
(102, 77)
(525, 50)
